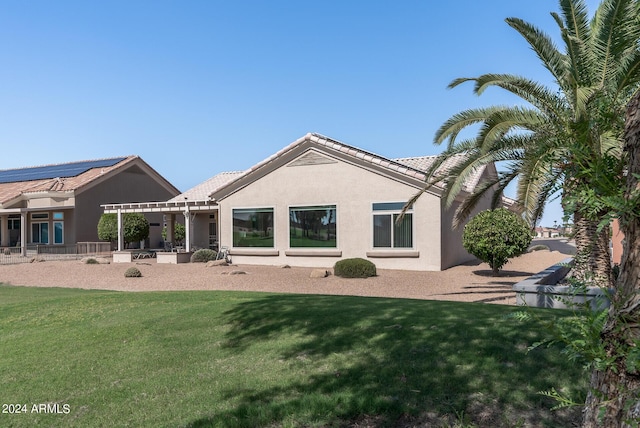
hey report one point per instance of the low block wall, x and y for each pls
(173, 258)
(122, 257)
(540, 290)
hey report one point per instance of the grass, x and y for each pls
(232, 359)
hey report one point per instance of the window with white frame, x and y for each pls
(253, 227)
(40, 233)
(58, 228)
(40, 228)
(388, 232)
(313, 226)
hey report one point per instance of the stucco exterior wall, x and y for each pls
(130, 185)
(453, 253)
(352, 189)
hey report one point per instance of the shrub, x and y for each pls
(180, 232)
(495, 236)
(91, 261)
(133, 272)
(203, 255)
(135, 227)
(354, 268)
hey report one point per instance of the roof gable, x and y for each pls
(14, 191)
(318, 149)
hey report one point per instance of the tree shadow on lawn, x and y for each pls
(393, 363)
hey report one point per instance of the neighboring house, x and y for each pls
(318, 201)
(59, 205)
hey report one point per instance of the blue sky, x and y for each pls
(200, 87)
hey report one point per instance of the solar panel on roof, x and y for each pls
(54, 171)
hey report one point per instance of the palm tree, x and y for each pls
(614, 394)
(562, 135)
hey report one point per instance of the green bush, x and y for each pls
(133, 272)
(91, 262)
(495, 236)
(354, 268)
(135, 227)
(203, 255)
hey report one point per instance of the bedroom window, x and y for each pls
(253, 227)
(387, 232)
(312, 226)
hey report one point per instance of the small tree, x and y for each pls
(108, 227)
(495, 236)
(135, 227)
(180, 233)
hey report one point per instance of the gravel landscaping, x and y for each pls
(471, 282)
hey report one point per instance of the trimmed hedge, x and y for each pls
(133, 272)
(203, 255)
(354, 268)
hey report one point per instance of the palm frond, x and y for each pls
(539, 96)
(613, 30)
(542, 45)
(450, 129)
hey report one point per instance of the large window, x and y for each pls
(40, 233)
(312, 226)
(253, 227)
(387, 231)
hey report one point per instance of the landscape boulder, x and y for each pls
(221, 262)
(319, 273)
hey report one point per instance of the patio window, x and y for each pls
(387, 232)
(40, 233)
(313, 226)
(253, 227)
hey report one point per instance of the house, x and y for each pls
(59, 205)
(317, 201)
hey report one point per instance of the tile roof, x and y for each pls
(202, 191)
(70, 183)
(423, 163)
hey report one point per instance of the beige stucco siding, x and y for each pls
(352, 189)
(453, 253)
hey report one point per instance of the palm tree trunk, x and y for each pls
(614, 394)
(592, 263)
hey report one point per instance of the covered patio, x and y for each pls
(200, 219)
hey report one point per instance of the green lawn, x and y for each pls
(228, 359)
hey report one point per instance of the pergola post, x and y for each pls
(23, 233)
(120, 231)
(187, 229)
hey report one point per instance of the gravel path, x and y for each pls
(467, 283)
